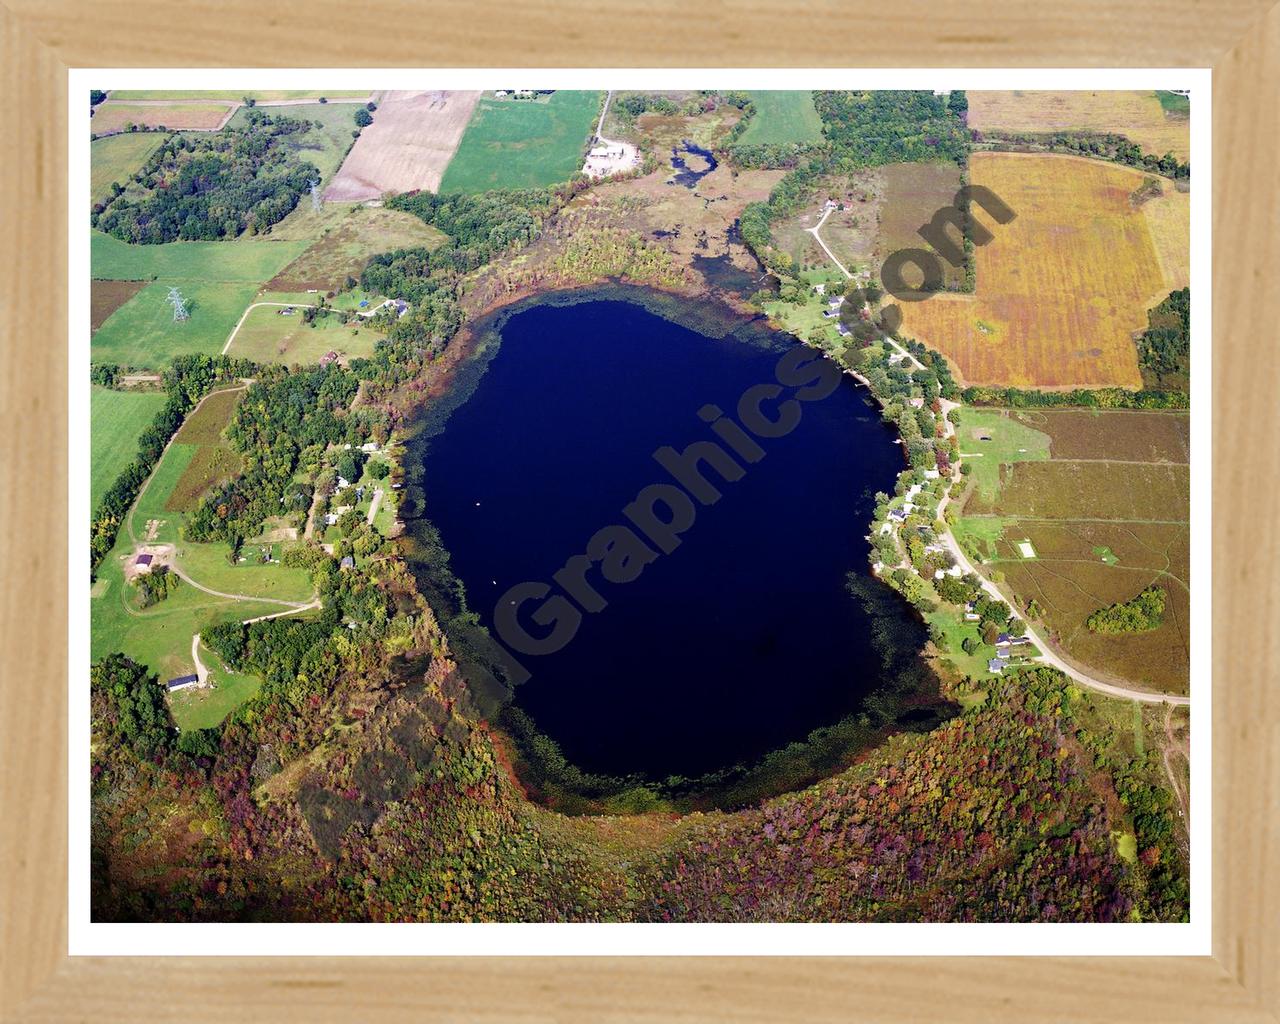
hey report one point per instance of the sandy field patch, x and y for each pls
(408, 146)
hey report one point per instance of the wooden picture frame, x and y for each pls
(39, 41)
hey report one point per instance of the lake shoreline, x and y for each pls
(536, 764)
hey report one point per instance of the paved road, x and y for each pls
(1047, 655)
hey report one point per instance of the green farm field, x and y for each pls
(783, 115)
(117, 158)
(142, 332)
(117, 418)
(522, 144)
(247, 260)
(268, 337)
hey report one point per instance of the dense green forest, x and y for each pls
(211, 185)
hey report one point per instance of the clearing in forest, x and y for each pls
(782, 115)
(408, 146)
(270, 335)
(1138, 116)
(1061, 289)
(523, 143)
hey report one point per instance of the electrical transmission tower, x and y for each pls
(315, 196)
(179, 305)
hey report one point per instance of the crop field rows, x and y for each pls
(1104, 501)
(1061, 288)
(408, 146)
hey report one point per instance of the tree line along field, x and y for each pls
(114, 116)
(325, 146)
(782, 115)
(523, 143)
(1104, 500)
(1139, 116)
(1061, 288)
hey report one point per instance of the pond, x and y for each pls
(747, 634)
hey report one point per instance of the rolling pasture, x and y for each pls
(783, 115)
(913, 193)
(1106, 508)
(105, 297)
(117, 158)
(1139, 116)
(523, 143)
(1060, 289)
(118, 418)
(248, 260)
(143, 333)
(408, 146)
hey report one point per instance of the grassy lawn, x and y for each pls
(200, 708)
(977, 535)
(235, 94)
(955, 629)
(207, 564)
(142, 332)
(990, 437)
(117, 418)
(249, 260)
(160, 636)
(1172, 103)
(519, 144)
(783, 115)
(117, 158)
(325, 146)
(268, 337)
(151, 503)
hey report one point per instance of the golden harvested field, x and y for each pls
(1136, 115)
(112, 116)
(408, 146)
(1061, 288)
(1169, 218)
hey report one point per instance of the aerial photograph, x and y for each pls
(544, 505)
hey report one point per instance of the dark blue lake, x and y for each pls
(742, 640)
